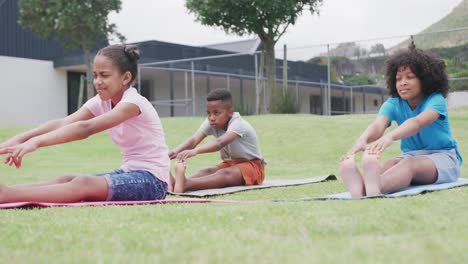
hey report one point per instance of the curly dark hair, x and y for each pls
(428, 67)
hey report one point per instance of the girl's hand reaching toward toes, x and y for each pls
(16, 153)
(360, 145)
(379, 146)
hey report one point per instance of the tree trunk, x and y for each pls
(89, 74)
(271, 71)
(260, 85)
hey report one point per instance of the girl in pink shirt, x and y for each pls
(133, 124)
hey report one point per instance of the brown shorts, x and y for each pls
(252, 171)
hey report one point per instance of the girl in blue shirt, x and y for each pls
(418, 84)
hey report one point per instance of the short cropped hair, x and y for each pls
(427, 66)
(220, 94)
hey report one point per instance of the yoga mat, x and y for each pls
(108, 203)
(408, 191)
(266, 184)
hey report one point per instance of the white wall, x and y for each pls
(457, 99)
(31, 92)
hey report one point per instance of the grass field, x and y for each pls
(430, 228)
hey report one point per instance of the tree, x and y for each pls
(268, 19)
(323, 61)
(359, 79)
(378, 49)
(77, 23)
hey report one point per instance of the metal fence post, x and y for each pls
(329, 109)
(192, 66)
(257, 92)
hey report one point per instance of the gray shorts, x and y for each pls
(136, 185)
(446, 163)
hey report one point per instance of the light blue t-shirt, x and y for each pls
(435, 136)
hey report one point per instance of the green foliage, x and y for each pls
(268, 19)
(458, 18)
(377, 49)
(285, 104)
(77, 23)
(459, 85)
(359, 79)
(334, 62)
(460, 52)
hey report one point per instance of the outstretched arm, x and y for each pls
(373, 132)
(73, 131)
(82, 114)
(190, 143)
(408, 128)
(211, 146)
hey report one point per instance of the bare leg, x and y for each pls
(179, 169)
(371, 173)
(352, 177)
(62, 179)
(221, 178)
(388, 164)
(419, 170)
(199, 174)
(88, 188)
(171, 183)
(205, 172)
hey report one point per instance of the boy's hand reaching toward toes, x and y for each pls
(172, 154)
(184, 155)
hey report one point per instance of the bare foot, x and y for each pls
(371, 173)
(179, 168)
(351, 177)
(171, 183)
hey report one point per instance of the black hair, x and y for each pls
(220, 94)
(125, 57)
(427, 66)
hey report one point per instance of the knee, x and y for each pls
(226, 174)
(66, 178)
(230, 177)
(207, 171)
(407, 164)
(347, 163)
(82, 180)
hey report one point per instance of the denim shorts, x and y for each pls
(139, 185)
(446, 163)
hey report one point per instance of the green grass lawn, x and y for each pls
(430, 228)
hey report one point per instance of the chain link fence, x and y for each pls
(324, 79)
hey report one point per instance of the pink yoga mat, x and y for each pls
(107, 203)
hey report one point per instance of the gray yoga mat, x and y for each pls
(408, 191)
(266, 184)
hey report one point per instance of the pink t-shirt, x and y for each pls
(141, 138)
